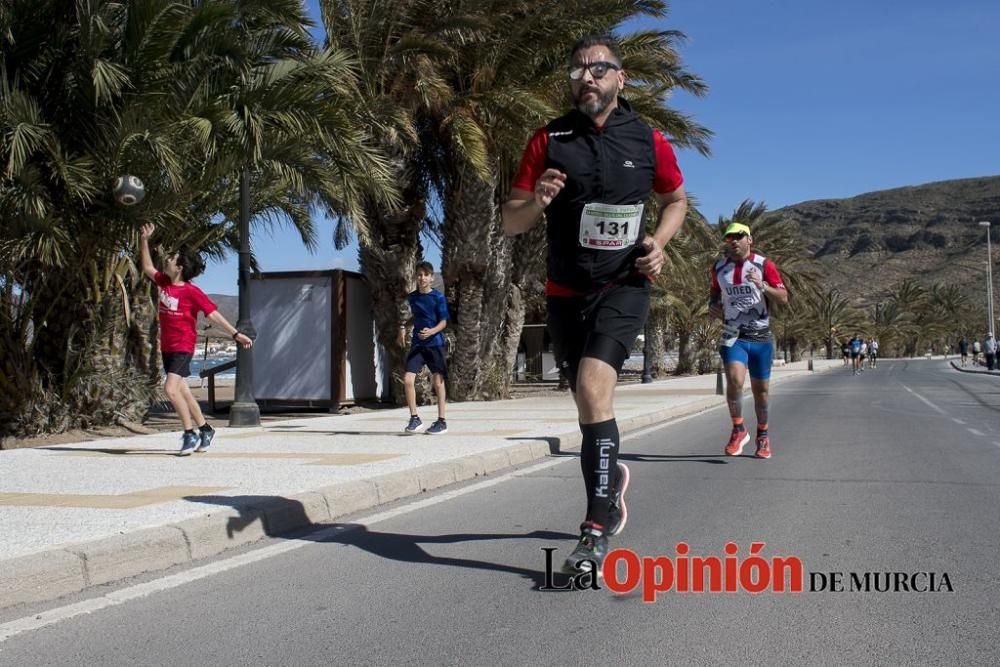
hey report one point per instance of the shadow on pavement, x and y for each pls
(690, 458)
(400, 433)
(553, 443)
(114, 451)
(401, 547)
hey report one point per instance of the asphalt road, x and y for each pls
(895, 470)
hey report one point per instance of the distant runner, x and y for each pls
(855, 345)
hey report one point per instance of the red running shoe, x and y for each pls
(763, 447)
(737, 439)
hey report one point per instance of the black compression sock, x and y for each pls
(599, 463)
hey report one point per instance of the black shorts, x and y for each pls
(178, 363)
(432, 357)
(603, 325)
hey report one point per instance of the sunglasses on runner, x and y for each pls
(738, 236)
(597, 70)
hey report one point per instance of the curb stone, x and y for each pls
(974, 372)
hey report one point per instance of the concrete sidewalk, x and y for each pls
(80, 515)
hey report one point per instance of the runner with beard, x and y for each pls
(591, 172)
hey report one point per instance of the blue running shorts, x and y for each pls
(755, 356)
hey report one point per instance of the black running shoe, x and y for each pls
(589, 552)
(189, 440)
(617, 511)
(206, 440)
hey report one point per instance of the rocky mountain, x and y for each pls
(867, 244)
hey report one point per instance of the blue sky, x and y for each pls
(808, 99)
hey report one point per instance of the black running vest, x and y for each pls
(615, 164)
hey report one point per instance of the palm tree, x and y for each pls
(400, 48)
(912, 303)
(185, 96)
(838, 318)
(681, 291)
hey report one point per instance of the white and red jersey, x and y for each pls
(744, 305)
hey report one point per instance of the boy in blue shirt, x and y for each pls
(430, 316)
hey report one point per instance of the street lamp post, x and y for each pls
(244, 411)
(989, 275)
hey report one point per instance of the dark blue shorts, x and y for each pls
(432, 357)
(755, 356)
(178, 363)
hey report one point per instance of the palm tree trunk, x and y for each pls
(657, 344)
(685, 353)
(477, 273)
(528, 260)
(389, 263)
(794, 349)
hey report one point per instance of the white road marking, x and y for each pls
(939, 410)
(958, 421)
(114, 598)
(974, 431)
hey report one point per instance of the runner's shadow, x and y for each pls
(553, 443)
(393, 546)
(407, 548)
(690, 458)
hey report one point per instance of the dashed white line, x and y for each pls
(974, 431)
(958, 421)
(936, 408)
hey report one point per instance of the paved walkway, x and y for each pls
(79, 515)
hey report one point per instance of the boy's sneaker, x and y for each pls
(737, 439)
(415, 425)
(206, 439)
(589, 552)
(438, 427)
(189, 441)
(617, 512)
(763, 447)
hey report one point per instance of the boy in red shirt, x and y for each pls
(180, 302)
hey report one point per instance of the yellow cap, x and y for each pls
(736, 228)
